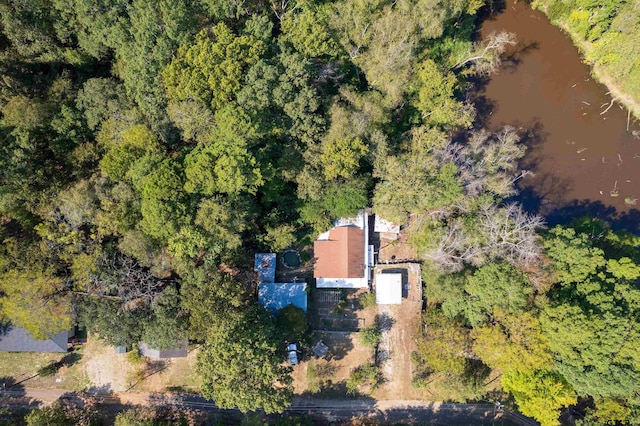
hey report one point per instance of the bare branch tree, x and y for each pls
(124, 278)
(487, 162)
(511, 234)
(507, 233)
(454, 248)
(486, 56)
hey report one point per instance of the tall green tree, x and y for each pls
(415, 181)
(512, 342)
(241, 364)
(211, 68)
(540, 394)
(436, 98)
(592, 321)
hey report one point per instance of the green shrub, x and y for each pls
(47, 416)
(370, 336)
(365, 375)
(368, 300)
(134, 417)
(134, 356)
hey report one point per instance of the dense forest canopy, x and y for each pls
(149, 148)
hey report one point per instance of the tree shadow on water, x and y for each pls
(513, 58)
(620, 221)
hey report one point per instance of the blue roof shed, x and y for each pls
(275, 296)
(265, 265)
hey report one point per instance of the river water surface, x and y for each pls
(583, 158)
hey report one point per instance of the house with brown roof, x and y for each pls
(342, 256)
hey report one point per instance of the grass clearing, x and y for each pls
(23, 367)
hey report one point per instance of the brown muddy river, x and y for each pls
(584, 159)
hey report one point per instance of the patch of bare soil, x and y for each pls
(106, 369)
(396, 250)
(178, 374)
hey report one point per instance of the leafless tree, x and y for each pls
(122, 277)
(279, 8)
(511, 234)
(507, 233)
(488, 162)
(485, 56)
(455, 248)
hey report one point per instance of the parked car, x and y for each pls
(292, 350)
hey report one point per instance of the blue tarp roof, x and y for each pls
(275, 296)
(265, 265)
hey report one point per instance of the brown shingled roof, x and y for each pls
(342, 255)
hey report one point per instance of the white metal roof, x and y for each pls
(382, 225)
(389, 289)
(342, 283)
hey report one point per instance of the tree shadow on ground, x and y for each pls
(338, 347)
(10, 388)
(53, 367)
(338, 390)
(384, 322)
(152, 367)
(99, 390)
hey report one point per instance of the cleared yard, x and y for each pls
(395, 250)
(110, 371)
(22, 368)
(399, 325)
(97, 367)
(325, 377)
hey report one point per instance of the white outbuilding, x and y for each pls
(389, 289)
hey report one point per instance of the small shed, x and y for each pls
(389, 289)
(385, 227)
(319, 349)
(265, 265)
(179, 351)
(120, 349)
(275, 296)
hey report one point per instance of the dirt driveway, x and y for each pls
(399, 325)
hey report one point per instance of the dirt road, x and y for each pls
(393, 411)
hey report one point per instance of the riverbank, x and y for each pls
(582, 156)
(599, 70)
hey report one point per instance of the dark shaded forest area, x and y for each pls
(149, 148)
